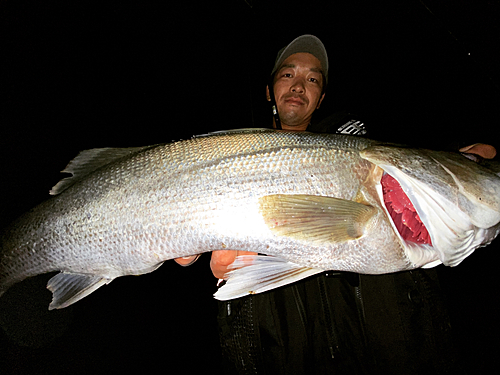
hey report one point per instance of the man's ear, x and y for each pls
(268, 95)
(320, 100)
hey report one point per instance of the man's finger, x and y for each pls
(187, 261)
(221, 259)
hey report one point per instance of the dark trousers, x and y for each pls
(341, 323)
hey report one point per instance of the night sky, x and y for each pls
(131, 73)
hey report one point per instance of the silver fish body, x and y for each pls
(310, 200)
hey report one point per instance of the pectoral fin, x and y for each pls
(315, 218)
(254, 274)
(68, 288)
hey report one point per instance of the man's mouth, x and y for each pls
(294, 101)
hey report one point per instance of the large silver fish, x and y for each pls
(313, 202)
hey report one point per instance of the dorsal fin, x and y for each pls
(89, 161)
(234, 131)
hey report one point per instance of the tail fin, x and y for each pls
(5, 278)
(4, 284)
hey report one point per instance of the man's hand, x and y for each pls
(221, 259)
(481, 149)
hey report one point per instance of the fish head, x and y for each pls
(440, 204)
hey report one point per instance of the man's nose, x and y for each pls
(297, 85)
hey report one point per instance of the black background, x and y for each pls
(80, 75)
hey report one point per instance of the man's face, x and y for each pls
(297, 89)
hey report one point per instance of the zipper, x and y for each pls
(300, 307)
(332, 337)
(360, 307)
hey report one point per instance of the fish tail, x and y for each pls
(4, 285)
(2, 290)
(6, 280)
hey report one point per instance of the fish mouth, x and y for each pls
(403, 213)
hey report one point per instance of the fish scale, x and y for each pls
(126, 211)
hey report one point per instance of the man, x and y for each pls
(335, 322)
(298, 90)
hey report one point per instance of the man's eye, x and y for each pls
(314, 80)
(287, 75)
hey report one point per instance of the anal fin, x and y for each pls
(68, 288)
(254, 274)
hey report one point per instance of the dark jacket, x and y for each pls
(341, 324)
